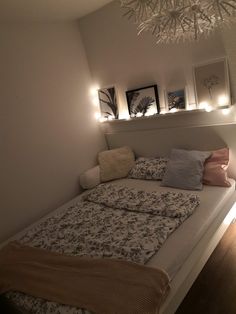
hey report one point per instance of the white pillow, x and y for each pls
(90, 178)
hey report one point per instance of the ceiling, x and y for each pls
(47, 10)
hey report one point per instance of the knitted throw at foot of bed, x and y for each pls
(103, 286)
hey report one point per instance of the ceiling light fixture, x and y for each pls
(179, 20)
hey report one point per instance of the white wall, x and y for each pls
(229, 38)
(48, 134)
(118, 56)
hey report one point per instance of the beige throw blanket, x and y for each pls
(103, 286)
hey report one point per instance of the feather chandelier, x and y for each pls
(179, 20)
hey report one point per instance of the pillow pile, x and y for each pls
(149, 168)
(215, 171)
(185, 169)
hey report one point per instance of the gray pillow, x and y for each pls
(185, 169)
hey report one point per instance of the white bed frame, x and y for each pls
(158, 142)
(189, 271)
(191, 268)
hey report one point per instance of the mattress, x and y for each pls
(180, 244)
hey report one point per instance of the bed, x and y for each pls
(183, 253)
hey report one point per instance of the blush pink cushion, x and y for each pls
(215, 169)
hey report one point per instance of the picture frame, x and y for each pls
(211, 83)
(176, 99)
(143, 101)
(108, 103)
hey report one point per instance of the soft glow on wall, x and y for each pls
(94, 90)
(94, 95)
(97, 115)
(95, 101)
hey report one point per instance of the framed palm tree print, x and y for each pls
(176, 100)
(108, 103)
(143, 101)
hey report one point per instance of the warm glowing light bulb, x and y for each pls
(203, 105)
(223, 100)
(163, 112)
(208, 108)
(94, 90)
(97, 115)
(94, 95)
(124, 115)
(151, 111)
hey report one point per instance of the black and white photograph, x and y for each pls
(176, 99)
(108, 103)
(143, 101)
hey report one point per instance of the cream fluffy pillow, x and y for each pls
(115, 163)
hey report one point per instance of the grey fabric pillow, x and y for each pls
(149, 168)
(185, 169)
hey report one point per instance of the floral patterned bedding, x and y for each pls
(149, 168)
(112, 221)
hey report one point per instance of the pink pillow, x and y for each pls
(215, 168)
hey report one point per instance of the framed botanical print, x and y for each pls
(143, 101)
(108, 103)
(176, 100)
(212, 84)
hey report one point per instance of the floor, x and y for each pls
(214, 291)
